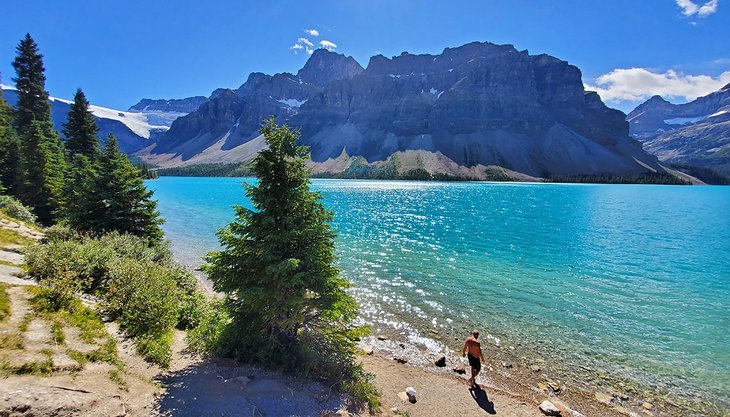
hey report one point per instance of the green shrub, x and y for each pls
(193, 306)
(4, 303)
(155, 348)
(61, 232)
(16, 209)
(143, 296)
(206, 336)
(68, 266)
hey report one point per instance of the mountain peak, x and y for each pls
(324, 66)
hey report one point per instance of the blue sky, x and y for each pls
(122, 51)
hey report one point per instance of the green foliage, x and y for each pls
(80, 128)
(79, 189)
(30, 81)
(9, 149)
(208, 170)
(704, 174)
(11, 237)
(146, 172)
(42, 167)
(15, 209)
(206, 336)
(137, 280)
(155, 348)
(495, 173)
(4, 302)
(115, 198)
(143, 297)
(648, 178)
(41, 164)
(288, 304)
(61, 231)
(418, 174)
(57, 335)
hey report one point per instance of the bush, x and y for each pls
(81, 265)
(206, 336)
(60, 232)
(144, 297)
(139, 283)
(155, 348)
(16, 209)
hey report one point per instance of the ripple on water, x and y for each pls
(614, 276)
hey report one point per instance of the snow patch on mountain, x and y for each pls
(139, 123)
(684, 120)
(291, 102)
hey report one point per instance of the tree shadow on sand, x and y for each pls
(481, 398)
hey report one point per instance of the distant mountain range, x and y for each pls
(456, 113)
(135, 129)
(695, 133)
(464, 113)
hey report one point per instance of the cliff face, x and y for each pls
(478, 104)
(232, 117)
(694, 133)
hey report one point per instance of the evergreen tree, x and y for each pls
(42, 167)
(115, 197)
(9, 152)
(30, 81)
(84, 205)
(80, 128)
(286, 297)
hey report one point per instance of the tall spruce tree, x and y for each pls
(42, 163)
(80, 128)
(30, 80)
(277, 266)
(114, 197)
(9, 149)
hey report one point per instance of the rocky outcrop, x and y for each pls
(324, 66)
(183, 105)
(695, 133)
(480, 104)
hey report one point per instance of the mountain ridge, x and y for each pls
(696, 133)
(477, 104)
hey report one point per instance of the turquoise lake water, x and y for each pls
(631, 279)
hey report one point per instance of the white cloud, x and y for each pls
(635, 84)
(296, 46)
(690, 8)
(310, 51)
(305, 41)
(312, 32)
(330, 46)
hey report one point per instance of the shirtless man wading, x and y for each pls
(473, 351)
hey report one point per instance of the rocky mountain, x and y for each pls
(232, 117)
(183, 105)
(477, 105)
(134, 129)
(695, 133)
